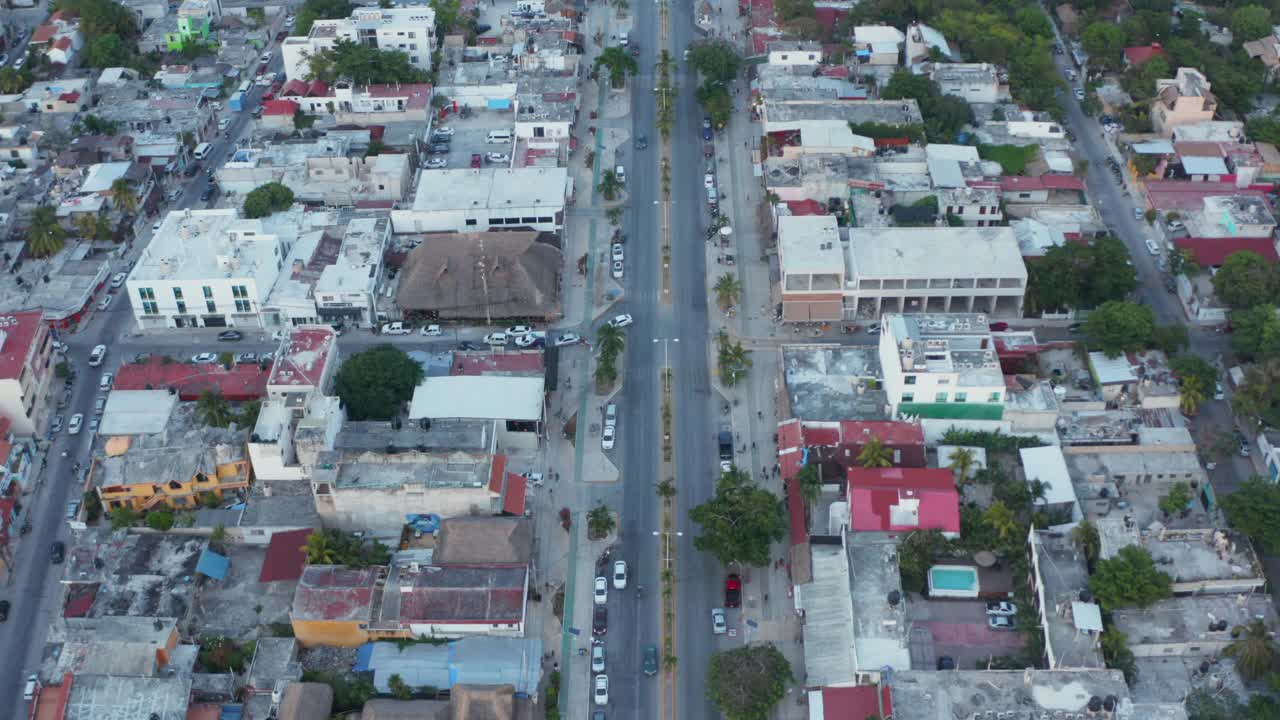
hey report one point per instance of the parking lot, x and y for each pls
(469, 138)
(957, 629)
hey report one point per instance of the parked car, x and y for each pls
(607, 437)
(395, 328)
(475, 160)
(733, 591)
(597, 657)
(4, 610)
(718, 624)
(601, 693)
(617, 252)
(94, 422)
(224, 123)
(96, 356)
(641, 142)
(1218, 394)
(430, 331)
(105, 302)
(1137, 213)
(600, 595)
(568, 339)
(58, 553)
(204, 358)
(619, 574)
(246, 358)
(207, 194)
(99, 404)
(497, 158)
(437, 163)
(56, 426)
(1004, 607)
(104, 383)
(946, 662)
(651, 660)
(611, 415)
(706, 128)
(873, 329)
(29, 690)
(118, 279)
(621, 173)
(1080, 93)
(621, 321)
(444, 130)
(73, 427)
(495, 339)
(519, 329)
(1001, 622)
(1074, 328)
(600, 620)
(230, 335)
(438, 149)
(531, 339)
(616, 272)
(467, 346)
(998, 326)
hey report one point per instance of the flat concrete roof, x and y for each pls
(952, 694)
(1183, 620)
(474, 189)
(822, 382)
(1188, 555)
(880, 630)
(137, 412)
(884, 112)
(1047, 465)
(110, 697)
(1063, 575)
(810, 244)
(830, 657)
(478, 397)
(969, 252)
(207, 244)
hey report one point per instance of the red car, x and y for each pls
(476, 160)
(732, 591)
(999, 326)
(280, 36)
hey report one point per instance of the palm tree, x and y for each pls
(214, 409)
(45, 237)
(85, 225)
(606, 371)
(123, 196)
(1253, 649)
(810, 483)
(609, 185)
(962, 461)
(1192, 394)
(875, 455)
(727, 291)
(1085, 535)
(734, 362)
(600, 522)
(1001, 518)
(619, 64)
(13, 81)
(319, 550)
(611, 340)
(666, 488)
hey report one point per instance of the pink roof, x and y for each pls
(241, 382)
(329, 592)
(1140, 55)
(286, 556)
(280, 108)
(874, 492)
(1188, 195)
(1215, 251)
(303, 360)
(20, 330)
(856, 703)
(509, 363)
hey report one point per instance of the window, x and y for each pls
(962, 397)
(908, 397)
(471, 222)
(909, 380)
(995, 397)
(412, 36)
(1024, 196)
(413, 46)
(784, 57)
(177, 293)
(146, 294)
(940, 398)
(208, 292)
(413, 59)
(149, 308)
(982, 210)
(210, 306)
(546, 219)
(944, 381)
(243, 306)
(239, 291)
(182, 308)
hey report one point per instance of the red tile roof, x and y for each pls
(1188, 195)
(856, 703)
(280, 108)
(874, 492)
(526, 363)
(294, 87)
(513, 497)
(286, 556)
(20, 330)
(1215, 251)
(241, 382)
(43, 34)
(1138, 56)
(889, 432)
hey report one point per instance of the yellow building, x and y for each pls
(172, 476)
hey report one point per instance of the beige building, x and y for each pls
(26, 370)
(1182, 100)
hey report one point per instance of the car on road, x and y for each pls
(247, 358)
(531, 339)
(519, 329)
(430, 331)
(607, 437)
(437, 163)
(266, 57)
(1170, 284)
(495, 339)
(441, 138)
(600, 620)
(395, 328)
(56, 426)
(1080, 93)
(619, 574)
(1074, 328)
(617, 252)
(1152, 247)
(257, 112)
(641, 142)
(1001, 622)
(173, 194)
(155, 226)
(620, 172)
(601, 693)
(998, 326)
(1137, 213)
(58, 553)
(651, 660)
(601, 593)
(708, 181)
(597, 657)
(4, 610)
(616, 272)
(438, 149)
(230, 335)
(621, 321)
(105, 302)
(224, 123)
(718, 624)
(873, 329)
(1218, 394)
(99, 404)
(104, 383)
(29, 690)
(77, 421)
(733, 591)
(568, 339)
(611, 415)
(467, 345)
(706, 128)
(96, 356)
(1004, 607)
(4, 59)
(1244, 447)
(475, 160)
(118, 279)
(445, 131)
(204, 358)
(497, 158)
(93, 424)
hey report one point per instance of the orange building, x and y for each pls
(171, 476)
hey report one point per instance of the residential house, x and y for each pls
(877, 44)
(1224, 225)
(925, 43)
(1072, 623)
(1136, 57)
(171, 470)
(361, 104)
(844, 441)
(903, 500)
(59, 38)
(408, 29)
(70, 95)
(26, 371)
(941, 366)
(19, 145)
(974, 82)
(795, 53)
(1182, 100)
(321, 171)
(334, 272)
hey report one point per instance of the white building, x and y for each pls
(479, 200)
(332, 274)
(941, 366)
(975, 82)
(877, 44)
(410, 30)
(209, 268)
(324, 171)
(795, 53)
(300, 376)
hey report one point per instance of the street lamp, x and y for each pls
(666, 542)
(666, 362)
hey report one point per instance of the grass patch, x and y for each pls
(1013, 159)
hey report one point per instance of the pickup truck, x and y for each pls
(725, 442)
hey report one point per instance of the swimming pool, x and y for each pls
(958, 581)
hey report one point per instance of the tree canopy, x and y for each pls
(1105, 42)
(1129, 579)
(747, 682)
(267, 199)
(375, 383)
(313, 10)
(363, 65)
(1250, 23)
(618, 63)
(1253, 509)
(740, 522)
(1119, 326)
(1256, 332)
(717, 60)
(1245, 279)
(1078, 276)
(944, 115)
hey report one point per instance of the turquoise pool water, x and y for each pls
(952, 580)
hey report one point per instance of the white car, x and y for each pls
(601, 594)
(1152, 247)
(497, 158)
(430, 331)
(204, 358)
(718, 624)
(531, 339)
(621, 321)
(105, 382)
(224, 123)
(611, 415)
(617, 270)
(607, 437)
(601, 693)
(437, 163)
(620, 575)
(1079, 93)
(105, 302)
(446, 130)
(266, 57)
(497, 339)
(1003, 608)
(118, 279)
(617, 252)
(568, 339)
(395, 328)
(1218, 394)
(519, 329)
(621, 173)
(96, 356)
(708, 181)
(597, 658)
(155, 226)
(73, 427)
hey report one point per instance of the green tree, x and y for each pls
(320, 550)
(810, 482)
(1119, 326)
(375, 384)
(611, 340)
(1117, 655)
(123, 196)
(446, 15)
(1250, 23)
(400, 690)
(1193, 366)
(92, 505)
(874, 454)
(1110, 275)
(1183, 262)
(600, 522)
(1032, 21)
(961, 463)
(740, 522)
(313, 10)
(107, 51)
(1103, 41)
(1085, 537)
(45, 236)
(13, 81)
(1256, 332)
(732, 359)
(213, 409)
(747, 682)
(727, 289)
(266, 199)
(1129, 579)
(716, 103)
(1191, 394)
(161, 520)
(610, 186)
(363, 64)
(618, 63)
(1245, 280)
(218, 537)
(1002, 520)
(1169, 339)
(717, 60)
(1253, 509)
(122, 517)
(1177, 500)
(1253, 649)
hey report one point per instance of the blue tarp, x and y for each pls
(231, 712)
(363, 655)
(213, 565)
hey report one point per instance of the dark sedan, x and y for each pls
(230, 335)
(600, 620)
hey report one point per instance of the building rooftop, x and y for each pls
(830, 655)
(137, 412)
(455, 594)
(484, 541)
(892, 499)
(119, 574)
(472, 189)
(171, 456)
(1186, 620)
(1099, 427)
(486, 397)
(328, 592)
(879, 616)
(946, 343)
(1071, 641)
(882, 112)
(111, 697)
(831, 383)
(17, 333)
(204, 244)
(952, 694)
(408, 467)
(109, 646)
(811, 245)
(968, 73)
(1047, 465)
(969, 252)
(241, 382)
(302, 358)
(483, 275)
(492, 665)
(1190, 556)
(362, 435)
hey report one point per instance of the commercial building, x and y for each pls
(410, 30)
(941, 366)
(333, 273)
(321, 171)
(26, 371)
(516, 404)
(480, 200)
(301, 375)
(361, 104)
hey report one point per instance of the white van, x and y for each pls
(496, 339)
(625, 39)
(498, 137)
(202, 151)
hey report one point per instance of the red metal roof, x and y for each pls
(63, 43)
(20, 330)
(1138, 56)
(1215, 251)
(513, 498)
(523, 363)
(304, 358)
(286, 556)
(497, 471)
(241, 382)
(799, 531)
(279, 107)
(874, 492)
(294, 87)
(889, 432)
(80, 597)
(806, 207)
(856, 703)
(43, 34)
(328, 592)
(463, 594)
(1188, 195)
(1014, 183)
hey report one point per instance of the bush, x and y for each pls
(1013, 159)
(267, 199)
(992, 441)
(92, 506)
(161, 520)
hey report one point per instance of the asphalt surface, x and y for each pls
(33, 589)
